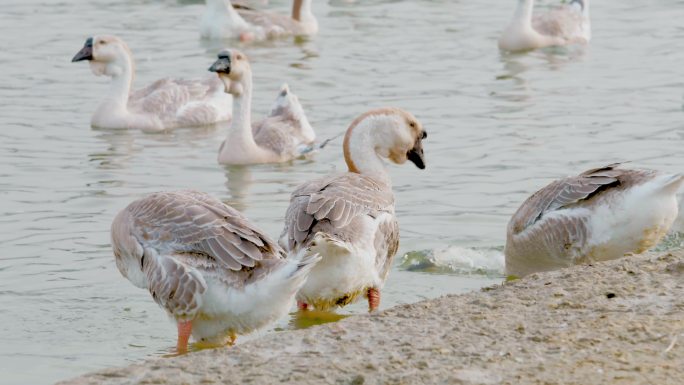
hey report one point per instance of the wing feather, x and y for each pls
(574, 190)
(336, 200)
(193, 222)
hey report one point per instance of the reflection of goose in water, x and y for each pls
(166, 103)
(563, 25)
(118, 152)
(601, 214)
(238, 181)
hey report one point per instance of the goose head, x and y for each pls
(391, 133)
(233, 68)
(106, 54)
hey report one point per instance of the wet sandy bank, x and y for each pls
(620, 322)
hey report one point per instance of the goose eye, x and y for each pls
(412, 124)
(238, 57)
(102, 42)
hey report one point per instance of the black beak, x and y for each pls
(416, 155)
(86, 53)
(222, 65)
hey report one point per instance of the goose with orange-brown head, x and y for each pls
(349, 218)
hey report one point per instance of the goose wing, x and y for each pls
(286, 130)
(273, 24)
(575, 190)
(196, 223)
(166, 97)
(336, 201)
(561, 22)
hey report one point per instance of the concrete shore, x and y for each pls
(619, 322)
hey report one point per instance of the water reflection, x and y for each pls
(238, 181)
(119, 151)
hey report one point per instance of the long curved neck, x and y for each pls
(360, 151)
(523, 14)
(122, 73)
(240, 132)
(301, 10)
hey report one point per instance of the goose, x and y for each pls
(567, 24)
(282, 136)
(349, 219)
(215, 273)
(222, 20)
(601, 214)
(164, 104)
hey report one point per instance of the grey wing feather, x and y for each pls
(166, 97)
(175, 286)
(193, 222)
(574, 190)
(386, 246)
(336, 200)
(562, 22)
(274, 133)
(273, 24)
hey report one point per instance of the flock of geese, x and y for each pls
(219, 275)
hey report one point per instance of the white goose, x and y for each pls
(601, 214)
(284, 135)
(222, 20)
(213, 271)
(165, 104)
(349, 218)
(566, 24)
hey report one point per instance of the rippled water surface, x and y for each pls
(499, 127)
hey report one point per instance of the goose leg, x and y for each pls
(184, 331)
(302, 306)
(373, 299)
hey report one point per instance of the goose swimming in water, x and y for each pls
(349, 218)
(566, 24)
(165, 104)
(222, 20)
(203, 262)
(601, 214)
(282, 136)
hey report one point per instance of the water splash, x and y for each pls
(672, 241)
(456, 260)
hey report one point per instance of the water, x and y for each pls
(499, 128)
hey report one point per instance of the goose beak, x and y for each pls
(86, 53)
(222, 65)
(416, 155)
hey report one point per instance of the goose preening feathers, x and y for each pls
(213, 271)
(282, 136)
(164, 104)
(563, 25)
(222, 20)
(349, 218)
(601, 214)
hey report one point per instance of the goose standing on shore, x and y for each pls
(601, 214)
(349, 218)
(563, 25)
(213, 271)
(222, 20)
(282, 136)
(166, 103)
